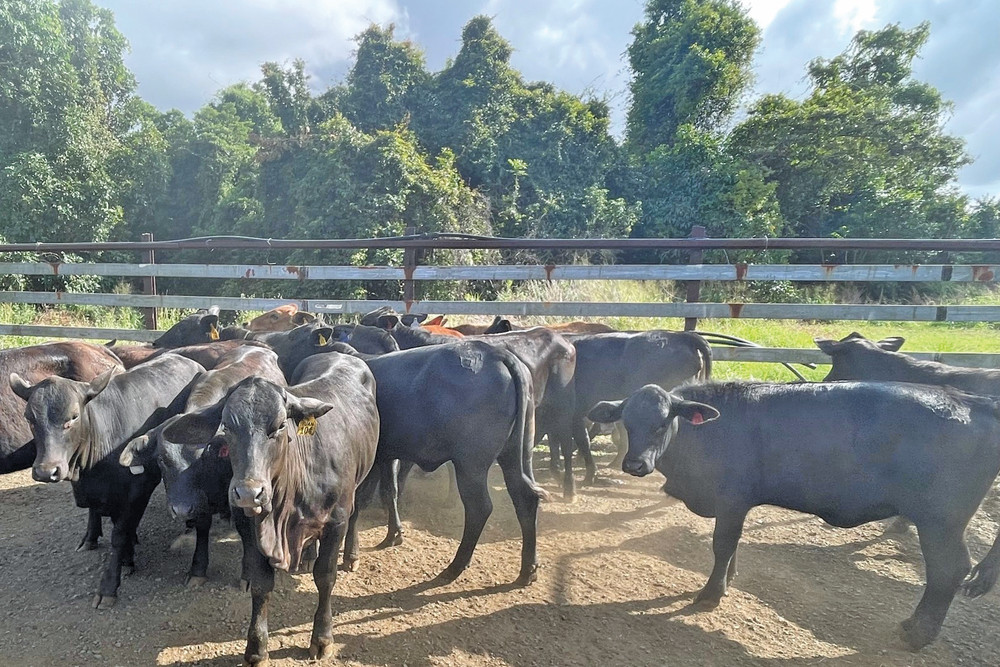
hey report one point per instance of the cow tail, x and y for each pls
(705, 351)
(522, 436)
(984, 574)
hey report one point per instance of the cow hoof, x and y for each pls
(244, 585)
(391, 540)
(917, 635)
(87, 545)
(320, 650)
(255, 661)
(707, 600)
(349, 565)
(527, 578)
(195, 582)
(104, 601)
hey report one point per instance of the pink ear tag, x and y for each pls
(697, 418)
(224, 452)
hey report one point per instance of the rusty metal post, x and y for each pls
(694, 286)
(409, 264)
(148, 285)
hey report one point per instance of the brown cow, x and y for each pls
(282, 318)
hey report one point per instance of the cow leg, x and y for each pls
(731, 573)
(388, 476)
(260, 576)
(325, 576)
(569, 484)
(94, 531)
(525, 500)
(350, 563)
(946, 560)
(308, 560)
(984, 575)
(198, 574)
(120, 557)
(725, 539)
(475, 493)
(582, 440)
(899, 526)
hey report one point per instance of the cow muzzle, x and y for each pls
(50, 472)
(637, 467)
(250, 496)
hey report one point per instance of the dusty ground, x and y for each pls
(619, 568)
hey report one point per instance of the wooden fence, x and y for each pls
(411, 274)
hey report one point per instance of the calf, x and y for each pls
(72, 359)
(80, 429)
(292, 485)
(471, 404)
(848, 452)
(197, 486)
(610, 366)
(199, 327)
(854, 357)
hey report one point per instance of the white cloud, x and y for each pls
(764, 11)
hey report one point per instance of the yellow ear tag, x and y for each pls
(307, 426)
(213, 333)
(322, 340)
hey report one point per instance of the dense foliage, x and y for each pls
(474, 147)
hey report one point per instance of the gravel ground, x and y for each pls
(618, 571)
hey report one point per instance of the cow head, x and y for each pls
(201, 327)
(852, 355)
(187, 469)
(282, 318)
(650, 416)
(499, 325)
(59, 423)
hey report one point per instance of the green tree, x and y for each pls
(866, 153)
(382, 85)
(691, 63)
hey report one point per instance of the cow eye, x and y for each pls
(72, 420)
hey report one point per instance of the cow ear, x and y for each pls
(302, 407)
(505, 326)
(216, 448)
(303, 317)
(138, 453)
(387, 322)
(696, 413)
(20, 386)
(214, 310)
(606, 412)
(321, 336)
(891, 344)
(195, 428)
(827, 345)
(437, 321)
(210, 325)
(99, 383)
(854, 335)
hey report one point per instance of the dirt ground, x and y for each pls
(618, 571)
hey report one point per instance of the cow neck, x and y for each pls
(283, 549)
(107, 426)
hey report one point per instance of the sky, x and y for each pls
(184, 51)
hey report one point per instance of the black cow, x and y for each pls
(366, 339)
(197, 486)
(848, 452)
(72, 359)
(471, 404)
(551, 360)
(610, 366)
(199, 327)
(854, 357)
(291, 346)
(293, 485)
(80, 429)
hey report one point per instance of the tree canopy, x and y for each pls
(474, 147)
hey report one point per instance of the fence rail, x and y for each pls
(692, 274)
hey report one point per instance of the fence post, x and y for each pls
(148, 285)
(409, 264)
(694, 286)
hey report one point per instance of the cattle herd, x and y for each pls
(289, 426)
